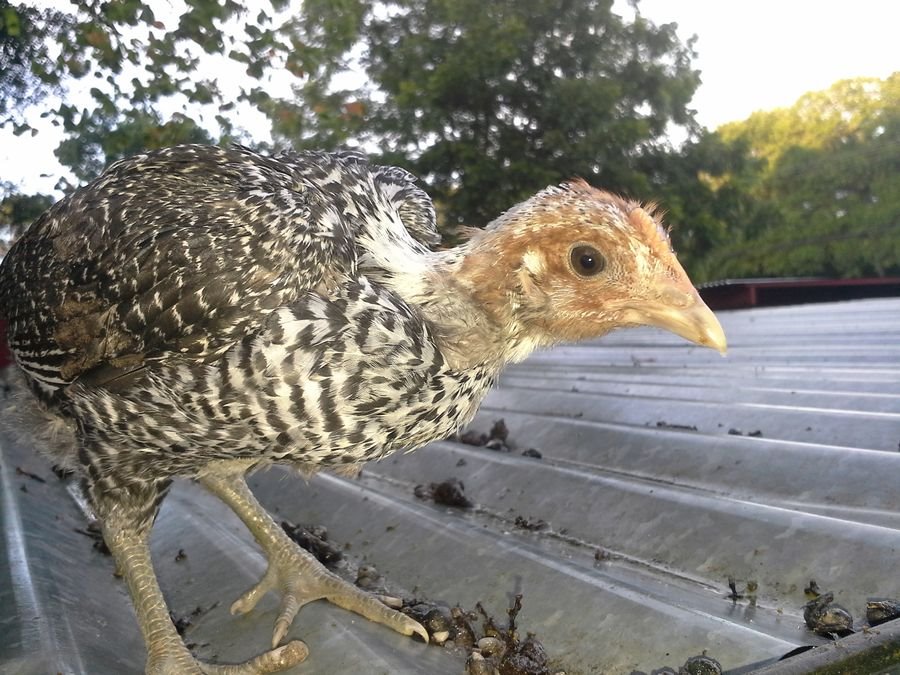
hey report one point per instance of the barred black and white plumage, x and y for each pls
(202, 283)
(199, 311)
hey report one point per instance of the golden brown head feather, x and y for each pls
(526, 272)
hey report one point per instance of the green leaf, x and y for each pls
(12, 26)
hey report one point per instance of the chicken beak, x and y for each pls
(678, 308)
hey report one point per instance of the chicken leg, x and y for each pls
(126, 534)
(294, 572)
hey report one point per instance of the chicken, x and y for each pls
(202, 312)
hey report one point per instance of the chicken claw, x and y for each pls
(178, 661)
(166, 652)
(295, 573)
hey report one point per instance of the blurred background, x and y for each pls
(768, 131)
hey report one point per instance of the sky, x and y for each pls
(752, 54)
(764, 54)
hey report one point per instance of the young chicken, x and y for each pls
(201, 312)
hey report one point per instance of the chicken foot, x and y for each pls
(127, 539)
(295, 573)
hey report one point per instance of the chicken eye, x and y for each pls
(586, 260)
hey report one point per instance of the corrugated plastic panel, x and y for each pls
(650, 497)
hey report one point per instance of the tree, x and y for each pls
(17, 211)
(492, 101)
(116, 64)
(706, 188)
(26, 66)
(488, 101)
(829, 166)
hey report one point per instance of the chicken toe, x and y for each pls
(126, 535)
(295, 573)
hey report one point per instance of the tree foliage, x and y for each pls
(119, 64)
(488, 101)
(27, 70)
(17, 211)
(825, 173)
(492, 101)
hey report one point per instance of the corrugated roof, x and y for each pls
(650, 505)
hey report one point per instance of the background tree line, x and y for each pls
(487, 102)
